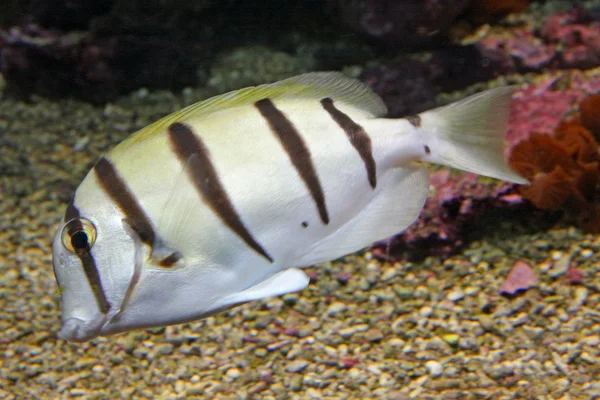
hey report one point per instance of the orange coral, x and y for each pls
(548, 166)
(578, 141)
(540, 153)
(549, 191)
(590, 114)
(564, 169)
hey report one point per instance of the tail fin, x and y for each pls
(469, 134)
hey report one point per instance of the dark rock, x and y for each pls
(404, 86)
(67, 15)
(406, 24)
(409, 86)
(154, 46)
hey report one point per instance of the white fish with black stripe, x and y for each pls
(225, 201)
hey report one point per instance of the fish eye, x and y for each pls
(78, 235)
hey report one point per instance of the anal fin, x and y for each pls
(397, 202)
(286, 281)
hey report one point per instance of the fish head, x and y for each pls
(94, 259)
(111, 280)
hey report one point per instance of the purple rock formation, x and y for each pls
(569, 39)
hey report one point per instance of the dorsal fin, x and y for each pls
(313, 85)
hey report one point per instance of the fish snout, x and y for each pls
(78, 330)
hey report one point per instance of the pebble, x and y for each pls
(347, 333)
(561, 265)
(233, 373)
(455, 295)
(579, 299)
(336, 308)
(560, 364)
(374, 335)
(296, 366)
(451, 338)
(277, 345)
(296, 383)
(434, 368)
(388, 274)
(426, 311)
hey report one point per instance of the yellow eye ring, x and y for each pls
(78, 235)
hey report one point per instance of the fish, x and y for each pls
(226, 201)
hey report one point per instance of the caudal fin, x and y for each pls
(469, 134)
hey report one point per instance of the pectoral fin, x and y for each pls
(286, 281)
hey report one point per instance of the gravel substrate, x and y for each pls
(363, 329)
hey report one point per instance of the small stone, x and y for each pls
(520, 277)
(451, 338)
(165, 348)
(560, 266)
(98, 368)
(296, 366)
(374, 335)
(296, 383)
(426, 311)
(455, 295)
(347, 333)
(593, 340)
(277, 345)
(336, 308)
(560, 364)
(257, 387)
(533, 332)
(404, 292)
(396, 342)
(434, 368)
(397, 395)
(233, 373)
(574, 276)
(388, 274)
(260, 352)
(581, 295)
(486, 323)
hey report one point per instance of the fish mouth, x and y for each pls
(77, 330)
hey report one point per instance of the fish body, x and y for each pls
(225, 201)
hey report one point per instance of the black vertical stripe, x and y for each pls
(90, 269)
(415, 120)
(189, 148)
(358, 137)
(117, 190)
(72, 212)
(297, 150)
